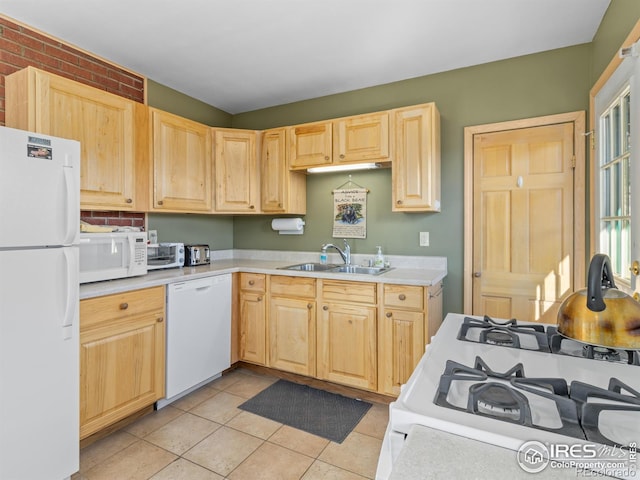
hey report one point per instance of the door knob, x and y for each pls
(635, 268)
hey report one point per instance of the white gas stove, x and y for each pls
(555, 402)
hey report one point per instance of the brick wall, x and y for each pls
(121, 219)
(21, 47)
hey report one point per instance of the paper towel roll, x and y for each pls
(288, 226)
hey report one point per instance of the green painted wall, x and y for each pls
(172, 101)
(214, 230)
(620, 18)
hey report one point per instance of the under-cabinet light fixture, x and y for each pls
(343, 168)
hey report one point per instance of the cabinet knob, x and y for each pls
(389, 314)
(251, 282)
(342, 155)
(160, 202)
(399, 202)
(326, 158)
(402, 296)
(325, 307)
(160, 320)
(129, 200)
(309, 306)
(251, 207)
(259, 299)
(124, 306)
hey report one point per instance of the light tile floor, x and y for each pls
(204, 436)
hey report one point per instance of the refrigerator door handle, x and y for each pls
(72, 189)
(72, 294)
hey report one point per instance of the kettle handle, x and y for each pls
(599, 276)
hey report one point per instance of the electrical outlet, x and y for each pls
(424, 239)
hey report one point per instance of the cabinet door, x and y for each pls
(292, 342)
(102, 122)
(281, 190)
(310, 145)
(401, 347)
(347, 350)
(273, 169)
(236, 171)
(252, 328)
(416, 168)
(181, 164)
(121, 370)
(363, 138)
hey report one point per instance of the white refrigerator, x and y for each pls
(39, 331)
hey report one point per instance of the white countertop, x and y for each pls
(406, 270)
(430, 454)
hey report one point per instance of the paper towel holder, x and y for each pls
(288, 226)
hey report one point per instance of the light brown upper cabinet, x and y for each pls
(356, 139)
(416, 167)
(281, 190)
(111, 131)
(236, 171)
(182, 163)
(363, 138)
(310, 145)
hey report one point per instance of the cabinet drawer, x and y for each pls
(349, 292)
(94, 311)
(254, 282)
(404, 296)
(293, 286)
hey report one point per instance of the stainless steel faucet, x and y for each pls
(345, 254)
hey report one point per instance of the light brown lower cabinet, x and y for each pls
(292, 324)
(253, 318)
(411, 315)
(122, 356)
(360, 334)
(347, 337)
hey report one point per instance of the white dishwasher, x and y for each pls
(198, 334)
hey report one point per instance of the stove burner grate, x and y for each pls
(504, 334)
(507, 401)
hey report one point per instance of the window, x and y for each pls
(616, 170)
(615, 183)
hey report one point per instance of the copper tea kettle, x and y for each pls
(601, 314)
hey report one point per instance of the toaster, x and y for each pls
(196, 255)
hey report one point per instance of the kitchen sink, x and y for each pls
(311, 267)
(361, 269)
(332, 268)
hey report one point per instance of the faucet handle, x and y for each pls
(346, 244)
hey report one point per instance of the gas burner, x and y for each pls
(601, 353)
(498, 337)
(497, 400)
(559, 344)
(504, 334)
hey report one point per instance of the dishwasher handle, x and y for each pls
(200, 284)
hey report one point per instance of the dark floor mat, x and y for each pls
(321, 413)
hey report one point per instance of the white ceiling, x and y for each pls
(242, 55)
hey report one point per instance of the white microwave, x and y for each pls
(105, 256)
